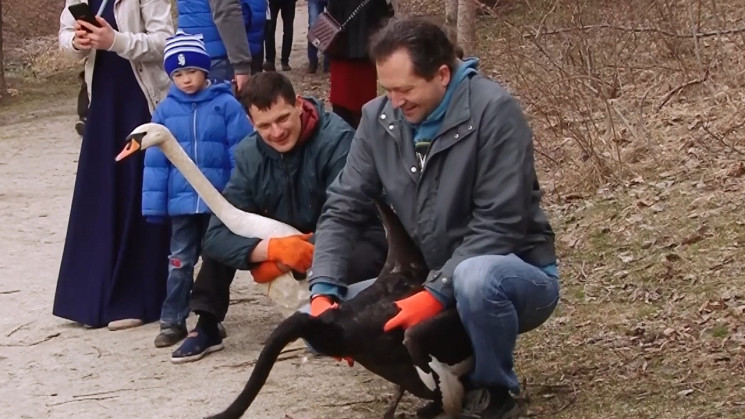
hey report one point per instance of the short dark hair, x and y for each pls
(264, 89)
(426, 42)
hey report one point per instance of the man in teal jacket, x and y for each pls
(281, 171)
(452, 154)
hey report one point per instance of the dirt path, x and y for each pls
(50, 367)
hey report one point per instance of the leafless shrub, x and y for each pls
(606, 83)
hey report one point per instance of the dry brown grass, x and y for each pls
(607, 84)
(638, 116)
(35, 68)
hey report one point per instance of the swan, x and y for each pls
(285, 291)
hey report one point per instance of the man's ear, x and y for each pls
(445, 74)
(299, 102)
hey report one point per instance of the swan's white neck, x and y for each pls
(288, 293)
(242, 223)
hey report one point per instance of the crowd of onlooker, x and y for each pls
(353, 81)
(191, 77)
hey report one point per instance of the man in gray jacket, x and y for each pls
(452, 154)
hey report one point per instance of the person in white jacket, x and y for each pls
(114, 265)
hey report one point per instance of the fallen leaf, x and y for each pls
(694, 238)
(573, 197)
(685, 392)
(641, 204)
(737, 170)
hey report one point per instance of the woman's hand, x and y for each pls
(99, 38)
(80, 40)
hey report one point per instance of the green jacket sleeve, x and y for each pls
(219, 242)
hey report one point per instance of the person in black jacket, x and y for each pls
(281, 171)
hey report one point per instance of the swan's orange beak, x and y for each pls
(134, 142)
(131, 148)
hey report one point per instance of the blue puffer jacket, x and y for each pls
(208, 125)
(195, 16)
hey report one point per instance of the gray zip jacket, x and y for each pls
(476, 195)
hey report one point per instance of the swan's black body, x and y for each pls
(355, 329)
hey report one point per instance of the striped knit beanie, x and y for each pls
(185, 51)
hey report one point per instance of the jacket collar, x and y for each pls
(459, 111)
(211, 91)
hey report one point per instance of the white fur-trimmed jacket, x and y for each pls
(143, 27)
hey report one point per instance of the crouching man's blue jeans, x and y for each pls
(498, 297)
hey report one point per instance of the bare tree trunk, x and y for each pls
(451, 18)
(467, 26)
(3, 85)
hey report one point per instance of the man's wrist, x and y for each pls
(326, 289)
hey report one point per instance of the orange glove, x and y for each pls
(266, 271)
(420, 306)
(318, 305)
(321, 303)
(293, 251)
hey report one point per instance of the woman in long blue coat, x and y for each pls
(114, 266)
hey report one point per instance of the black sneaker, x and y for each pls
(170, 334)
(269, 66)
(489, 403)
(196, 346)
(286, 67)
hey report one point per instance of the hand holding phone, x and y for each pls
(81, 11)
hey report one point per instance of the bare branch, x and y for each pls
(733, 31)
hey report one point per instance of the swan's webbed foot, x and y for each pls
(390, 412)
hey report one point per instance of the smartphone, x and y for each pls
(81, 11)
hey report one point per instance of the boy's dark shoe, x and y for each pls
(197, 345)
(169, 335)
(312, 68)
(286, 67)
(269, 66)
(489, 403)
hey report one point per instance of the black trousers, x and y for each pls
(211, 291)
(287, 9)
(352, 117)
(82, 107)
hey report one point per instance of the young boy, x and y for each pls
(208, 123)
